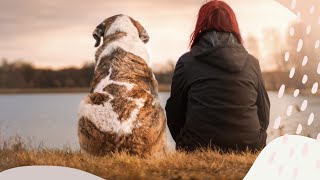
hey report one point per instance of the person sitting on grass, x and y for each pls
(218, 98)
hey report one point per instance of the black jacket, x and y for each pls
(218, 98)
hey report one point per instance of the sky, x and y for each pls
(58, 33)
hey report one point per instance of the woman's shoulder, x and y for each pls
(252, 59)
(185, 58)
(255, 64)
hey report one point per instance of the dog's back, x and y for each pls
(123, 111)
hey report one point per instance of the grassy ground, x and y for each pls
(203, 164)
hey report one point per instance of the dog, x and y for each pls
(122, 111)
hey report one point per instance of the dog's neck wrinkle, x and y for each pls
(107, 40)
(136, 48)
(128, 34)
(112, 37)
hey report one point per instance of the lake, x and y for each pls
(51, 119)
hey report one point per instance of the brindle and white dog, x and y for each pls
(122, 112)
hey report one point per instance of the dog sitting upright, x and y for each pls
(122, 112)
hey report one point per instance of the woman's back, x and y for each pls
(221, 85)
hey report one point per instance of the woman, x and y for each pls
(218, 98)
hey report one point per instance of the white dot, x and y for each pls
(311, 11)
(304, 79)
(280, 170)
(292, 72)
(311, 118)
(287, 56)
(296, 93)
(318, 164)
(277, 123)
(293, 4)
(292, 152)
(281, 91)
(315, 88)
(308, 30)
(272, 157)
(305, 149)
(305, 60)
(299, 16)
(300, 45)
(299, 129)
(289, 110)
(304, 105)
(291, 31)
(318, 70)
(285, 138)
(317, 44)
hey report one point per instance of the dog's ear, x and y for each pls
(142, 32)
(98, 33)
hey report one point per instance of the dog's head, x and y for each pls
(119, 23)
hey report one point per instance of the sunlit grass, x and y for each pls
(202, 164)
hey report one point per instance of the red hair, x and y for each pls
(215, 15)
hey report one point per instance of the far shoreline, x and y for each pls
(162, 88)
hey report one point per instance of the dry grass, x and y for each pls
(203, 164)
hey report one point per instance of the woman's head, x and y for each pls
(215, 15)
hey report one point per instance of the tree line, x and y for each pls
(24, 75)
(21, 74)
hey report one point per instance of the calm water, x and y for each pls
(51, 119)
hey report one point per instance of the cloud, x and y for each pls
(34, 29)
(57, 33)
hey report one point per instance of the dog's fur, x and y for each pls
(122, 112)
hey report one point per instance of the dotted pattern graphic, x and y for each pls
(311, 18)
